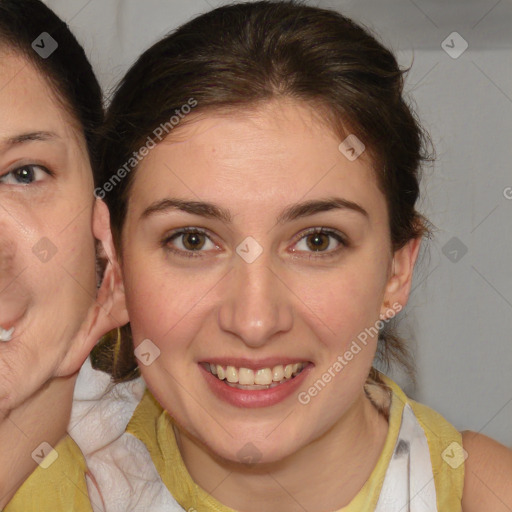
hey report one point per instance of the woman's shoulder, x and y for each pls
(58, 483)
(479, 466)
(488, 476)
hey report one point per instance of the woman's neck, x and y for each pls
(324, 475)
(41, 418)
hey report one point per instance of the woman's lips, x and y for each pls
(256, 395)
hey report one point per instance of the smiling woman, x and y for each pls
(50, 313)
(264, 245)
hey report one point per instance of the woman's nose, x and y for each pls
(255, 306)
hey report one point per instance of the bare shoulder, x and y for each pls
(488, 474)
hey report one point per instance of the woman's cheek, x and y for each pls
(334, 299)
(150, 306)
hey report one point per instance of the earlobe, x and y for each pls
(109, 308)
(399, 283)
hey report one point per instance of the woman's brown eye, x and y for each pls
(193, 241)
(317, 242)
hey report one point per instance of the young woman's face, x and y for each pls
(252, 242)
(47, 253)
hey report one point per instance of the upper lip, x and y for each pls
(253, 364)
(7, 325)
(13, 322)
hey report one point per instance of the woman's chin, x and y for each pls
(248, 450)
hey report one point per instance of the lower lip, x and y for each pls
(254, 397)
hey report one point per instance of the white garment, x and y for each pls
(120, 463)
(409, 482)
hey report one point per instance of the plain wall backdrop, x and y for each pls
(459, 318)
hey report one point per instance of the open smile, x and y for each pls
(261, 378)
(259, 386)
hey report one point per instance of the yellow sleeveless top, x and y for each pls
(61, 487)
(153, 426)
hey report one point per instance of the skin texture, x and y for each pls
(46, 204)
(291, 302)
(488, 474)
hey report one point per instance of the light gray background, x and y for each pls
(459, 319)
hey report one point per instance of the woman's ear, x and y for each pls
(111, 291)
(108, 311)
(399, 282)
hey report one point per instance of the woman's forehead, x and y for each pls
(30, 109)
(267, 156)
(275, 133)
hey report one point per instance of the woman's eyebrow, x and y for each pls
(41, 136)
(210, 210)
(300, 210)
(193, 207)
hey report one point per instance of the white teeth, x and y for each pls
(263, 377)
(278, 373)
(6, 335)
(259, 379)
(246, 376)
(231, 374)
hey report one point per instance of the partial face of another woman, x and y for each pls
(253, 247)
(47, 273)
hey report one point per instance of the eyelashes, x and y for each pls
(316, 239)
(24, 175)
(318, 242)
(192, 240)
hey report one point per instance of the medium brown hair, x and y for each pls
(238, 56)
